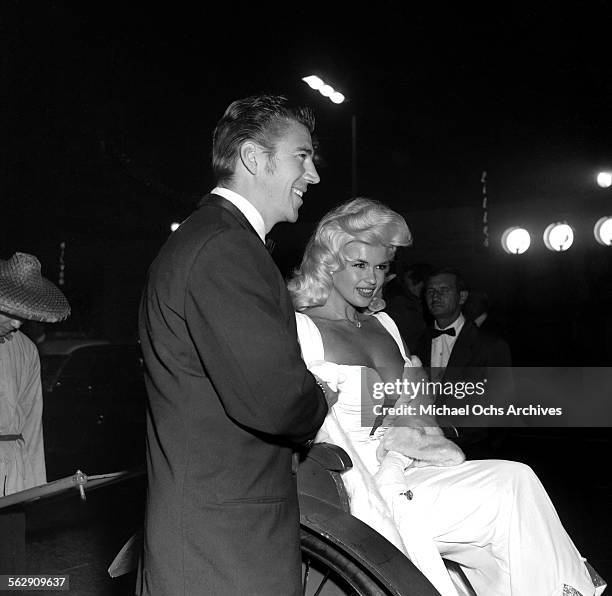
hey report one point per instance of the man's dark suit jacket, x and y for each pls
(229, 397)
(476, 355)
(474, 349)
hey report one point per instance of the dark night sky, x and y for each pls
(440, 95)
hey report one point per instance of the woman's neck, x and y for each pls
(337, 307)
(335, 310)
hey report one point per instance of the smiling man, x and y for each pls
(230, 398)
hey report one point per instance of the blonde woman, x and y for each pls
(492, 517)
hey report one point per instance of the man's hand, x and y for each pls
(331, 396)
(328, 377)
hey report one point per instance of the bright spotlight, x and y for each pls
(604, 179)
(558, 236)
(516, 240)
(326, 90)
(313, 82)
(603, 230)
(174, 226)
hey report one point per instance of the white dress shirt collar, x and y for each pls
(245, 207)
(442, 346)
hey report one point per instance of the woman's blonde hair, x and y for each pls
(362, 220)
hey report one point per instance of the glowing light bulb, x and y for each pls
(604, 179)
(516, 240)
(313, 82)
(603, 230)
(558, 236)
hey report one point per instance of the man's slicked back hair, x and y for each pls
(258, 118)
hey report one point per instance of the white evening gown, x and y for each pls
(492, 517)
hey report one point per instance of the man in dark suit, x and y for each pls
(230, 398)
(457, 351)
(403, 296)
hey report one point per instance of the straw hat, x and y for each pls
(25, 293)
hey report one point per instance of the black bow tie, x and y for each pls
(438, 332)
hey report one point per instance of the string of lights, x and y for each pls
(485, 212)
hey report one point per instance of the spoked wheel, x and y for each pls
(327, 571)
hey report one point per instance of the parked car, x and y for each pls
(94, 405)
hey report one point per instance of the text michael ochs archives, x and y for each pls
(472, 395)
(466, 410)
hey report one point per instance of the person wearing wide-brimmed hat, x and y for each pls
(24, 295)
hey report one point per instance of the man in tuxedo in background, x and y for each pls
(456, 350)
(230, 398)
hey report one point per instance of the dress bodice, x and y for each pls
(354, 409)
(311, 340)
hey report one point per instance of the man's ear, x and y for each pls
(248, 156)
(463, 296)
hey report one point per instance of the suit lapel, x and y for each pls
(223, 203)
(462, 350)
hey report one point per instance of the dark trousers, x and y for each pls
(12, 542)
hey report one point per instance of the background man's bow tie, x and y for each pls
(438, 332)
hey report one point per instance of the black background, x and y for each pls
(107, 113)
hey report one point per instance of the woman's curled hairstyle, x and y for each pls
(363, 220)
